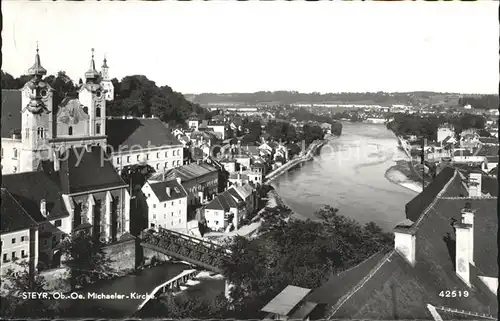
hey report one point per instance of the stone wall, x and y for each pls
(148, 255)
(123, 255)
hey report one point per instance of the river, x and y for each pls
(349, 174)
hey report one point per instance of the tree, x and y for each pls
(19, 282)
(85, 259)
(302, 253)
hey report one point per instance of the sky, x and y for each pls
(228, 46)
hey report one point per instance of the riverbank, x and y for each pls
(400, 174)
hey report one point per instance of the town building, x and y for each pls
(193, 121)
(445, 131)
(80, 191)
(225, 211)
(143, 141)
(289, 305)
(19, 234)
(200, 181)
(167, 205)
(443, 265)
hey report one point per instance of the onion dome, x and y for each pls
(37, 69)
(92, 73)
(105, 63)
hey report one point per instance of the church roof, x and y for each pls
(84, 171)
(92, 73)
(30, 188)
(389, 287)
(125, 133)
(11, 112)
(12, 216)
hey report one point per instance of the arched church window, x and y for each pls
(14, 169)
(70, 130)
(15, 152)
(97, 128)
(98, 112)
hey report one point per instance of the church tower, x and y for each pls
(36, 118)
(106, 83)
(91, 95)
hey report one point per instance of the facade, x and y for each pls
(167, 205)
(444, 132)
(72, 194)
(219, 129)
(248, 194)
(19, 234)
(42, 130)
(144, 141)
(225, 211)
(448, 242)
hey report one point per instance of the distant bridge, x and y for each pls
(196, 251)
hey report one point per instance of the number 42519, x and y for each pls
(454, 294)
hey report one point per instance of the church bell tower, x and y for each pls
(36, 118)
(106, 82)
(91, 95)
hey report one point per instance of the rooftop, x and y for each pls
(11, 112)
(187, 172)
(30, 188)
(12, 216)
(387, 287)
(84, 171)
(142, 132)
(160, 190)
(286, 301)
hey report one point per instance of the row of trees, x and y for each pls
(480, 102)
(86, 262)
(426, 127)
(287, 251)
(291, 97)
(134, 96)
(281, 131)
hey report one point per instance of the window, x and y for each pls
(13, 256)
(216, 222)
(98, 112)
(157, 166)
(172, 214)
(157, 155)
(57, 223)
(40, 133)
(166, 165)
(15, 152)
(23, 253)
(149, 195)
(180, 201)
(147, 156)
(154, 216)
(165, 216)
(70, 130)
(172, 203)
(27, 133)
(152, 225)
(14, 241)
(138, 157)
(128, 159)
(97, 128)
(5, 258)
(166, 154)
(154, 205)
(23, 238)
(118, 160)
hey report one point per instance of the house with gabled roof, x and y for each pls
(225, 211)
(19, 234)
(167, 205)
(443, 265)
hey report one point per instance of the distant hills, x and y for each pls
(378, 98)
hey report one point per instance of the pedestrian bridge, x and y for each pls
(196, 251)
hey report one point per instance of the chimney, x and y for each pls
(43, 207)
(463, 252)
(168, 191)
(475, 184)
(404, 241)
(468, 218)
